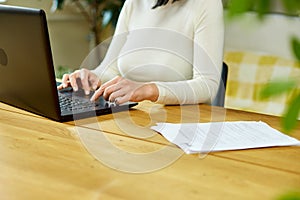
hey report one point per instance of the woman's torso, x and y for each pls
(159, 43)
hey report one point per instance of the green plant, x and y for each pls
(262, 7)
(98, 13)
(293, 195)
(61, 70)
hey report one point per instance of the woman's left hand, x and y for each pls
(122, 90)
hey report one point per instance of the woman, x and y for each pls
(169, 52)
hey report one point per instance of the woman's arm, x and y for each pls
(205, 55)
(207, 60)
(108, 68)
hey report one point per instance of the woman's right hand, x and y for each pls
(88, 81)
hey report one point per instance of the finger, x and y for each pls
(60, 87)
(110, 89)
(123, 99)
(84, 78)
(94, 81)
(96, 94)
(111, 82)
(73, 80)
(103, 87)
(116, 94)
(111, 86)
(65, 81)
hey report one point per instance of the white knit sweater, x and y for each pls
(179, 47)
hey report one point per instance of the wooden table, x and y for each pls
(43, 159)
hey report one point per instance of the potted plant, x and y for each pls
(98, 13)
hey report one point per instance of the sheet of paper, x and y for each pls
(222, 136)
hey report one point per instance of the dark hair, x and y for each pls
(162, 3)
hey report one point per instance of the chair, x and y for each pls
(220, 97)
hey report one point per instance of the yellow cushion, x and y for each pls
(249, 72)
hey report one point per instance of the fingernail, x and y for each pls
(87, 92)
(75, 88)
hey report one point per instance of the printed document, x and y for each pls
(223, 136)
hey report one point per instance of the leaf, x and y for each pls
(290, 118)
(277, 88)
(262, 7)
(290, 196)
(238, 7)
(296, 47)
(291, 6)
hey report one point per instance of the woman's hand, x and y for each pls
(88, 81)
(121, 90)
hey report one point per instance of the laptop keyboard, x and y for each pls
(74, 103)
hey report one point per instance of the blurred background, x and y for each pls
(71, 37)
(69, 32)
(257, 47)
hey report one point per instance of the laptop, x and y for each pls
(27, 76)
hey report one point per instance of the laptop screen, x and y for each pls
(27, 78)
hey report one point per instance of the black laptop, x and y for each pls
(27, 77)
